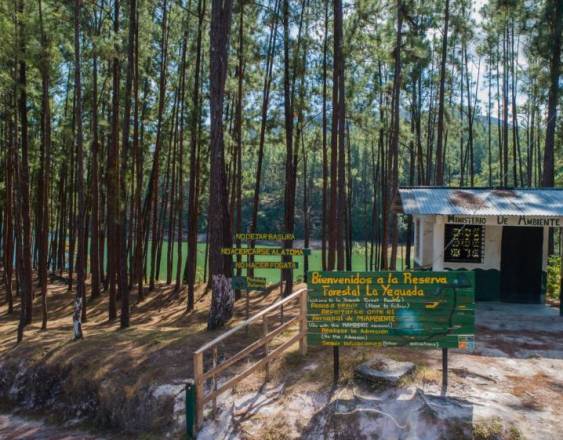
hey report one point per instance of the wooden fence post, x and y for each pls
(201, 376)
(190, 410)
(265, 330)
(281, 297)
(199, 388)
(215, 356)
(303, 323)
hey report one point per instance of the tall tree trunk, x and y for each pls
(489, 128)
(151, 204)
(349, 198)
(333, 213)
(548, 179)
(439, 161)
(263, 121)
(291, 151)
(341, 128)
(45, 166)
(531, 142)
(23, 194)
(505, 103)
(288, 125)
(237, 178)
(112, 172)
(138, 266)
(9, 214)
(79, 301)
(180, 200)
(412, 168)
(220, 266)
(95, 262)
(306, 226)
(384, 175)
(325, 149)
(499, 120)
(193, 197)
(19, 253)
(394, 141)
(519, 178)
(128, 98)
(417, 96)
(555, 7)
(469, 120)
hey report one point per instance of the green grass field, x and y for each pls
(272, 275)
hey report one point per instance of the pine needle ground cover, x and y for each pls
(128, 381)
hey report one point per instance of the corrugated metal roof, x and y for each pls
(546, 202)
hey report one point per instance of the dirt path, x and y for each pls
(17, 428)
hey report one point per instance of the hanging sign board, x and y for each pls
(390, 309)
(258, 283)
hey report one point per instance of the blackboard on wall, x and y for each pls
(464, 243)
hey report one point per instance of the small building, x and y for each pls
(501, 234)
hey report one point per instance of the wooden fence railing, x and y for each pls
(268, 334)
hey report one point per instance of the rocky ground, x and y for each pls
(511, 387)
(129, 384)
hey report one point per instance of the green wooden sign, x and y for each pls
(249, 283)
(386, 309)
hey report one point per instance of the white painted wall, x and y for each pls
(430, 230)
(438, 244)
(424, 230)
(430, 233)
(545, 248)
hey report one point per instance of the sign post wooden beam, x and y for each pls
(444, 371)
(303, 323)
(336, 363)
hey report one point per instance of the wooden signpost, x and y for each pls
(392, 309)
(249, 283)
(258, 283)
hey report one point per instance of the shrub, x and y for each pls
(553, 276)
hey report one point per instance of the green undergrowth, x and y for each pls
(553, 276)
(495, 428)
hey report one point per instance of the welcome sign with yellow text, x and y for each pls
(389, 309)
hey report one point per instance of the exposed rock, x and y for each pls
(393, 417)
(384, 372)
(72, 397)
